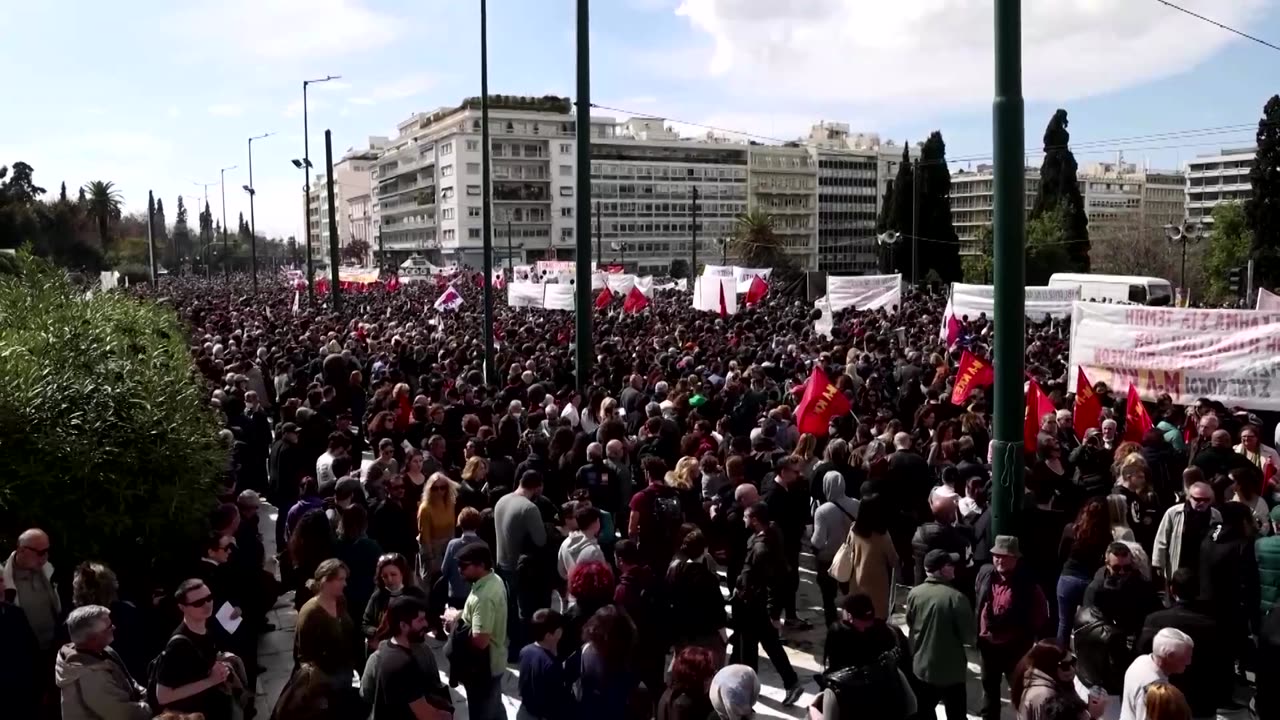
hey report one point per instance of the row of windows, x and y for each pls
(667, 191)
(775, 182)
(837, 181)
(661, 172)
(792, 162)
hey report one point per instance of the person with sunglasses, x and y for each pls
(29, 575)
(1115, 605)
(1047, 674)
(191, 676)
(1182, 529)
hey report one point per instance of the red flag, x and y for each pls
(1088, 405)
(953, 330)
(757, 291)
(322, 285)
(1038, 405)
(1136, 420)
(971, 374)
(635, 302)
(821, 402)
(393, 283)
(724, 308)
(604, 299)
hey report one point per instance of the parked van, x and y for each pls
(1134, 289)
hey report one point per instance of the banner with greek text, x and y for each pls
(864, 292)
(1228, 355)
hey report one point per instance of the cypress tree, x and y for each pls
(1060, 188)
(1263, 207)
(939, 245)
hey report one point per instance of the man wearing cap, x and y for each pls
(1012, 614)
(941, 622)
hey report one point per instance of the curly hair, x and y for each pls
(692, 669)
(1092, 529)
(94, 584)
(591, 583)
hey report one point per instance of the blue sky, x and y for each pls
(156, 94)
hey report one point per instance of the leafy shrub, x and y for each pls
(105, 439)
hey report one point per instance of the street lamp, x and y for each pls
(888, 240)
(253, 225)
(306, 163)
(723, 243)
(621, 249)
(226, 253)
(206, 187)
(1186, 233)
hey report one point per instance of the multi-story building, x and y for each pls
(1122, 199)
(783, 182)
(854, 172)
(352, 178)
(427, 195)
(1216, 179)
(973, 200)
(643, 177)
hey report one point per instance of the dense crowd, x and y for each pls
(629, 548)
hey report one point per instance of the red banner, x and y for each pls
(821, 402)
(1136, 420)
(1088, 405)
(972, 373)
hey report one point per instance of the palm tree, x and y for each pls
(754, 242)
(104, 206)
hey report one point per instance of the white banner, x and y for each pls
(864, 292)
(1228, 355)
(551, 296)
(1268, 300)
(621, 283)
(717, 271)
(743, 276)
(558, 297)
(707, 292)
(1039, 302)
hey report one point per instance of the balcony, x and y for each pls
(520, 192)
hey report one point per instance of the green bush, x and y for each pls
(106, 440)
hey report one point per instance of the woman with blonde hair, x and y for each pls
(436, 516)
(325, 635)
(1166, 702)
(1118, 510)
(687, 481)
(1145, 508)
(805, 452)
(472, 492)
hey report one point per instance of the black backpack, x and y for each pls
(153, 675)
(668, 512)
(1104, 651)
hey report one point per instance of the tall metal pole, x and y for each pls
(306, 193)
(226, 251)
(693, 247)
(510, 269)
(1009, 225)
(151, 235)
(599, 235)
(486, 200)
(335, 287)
(584, 353)
(253, 224)
(915, 218)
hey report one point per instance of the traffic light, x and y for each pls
(1235, 281)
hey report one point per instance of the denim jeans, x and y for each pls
(1070, 594)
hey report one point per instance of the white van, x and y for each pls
(1134, 289)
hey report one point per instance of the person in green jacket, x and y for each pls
(942, 624)
(1267, 550)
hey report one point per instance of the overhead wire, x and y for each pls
(1219, 25)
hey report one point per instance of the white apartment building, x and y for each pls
(427, 195)
(352, 184)
(783, 181)
(973, 201)
(1216, 179)
(643, 177)
(854, 172)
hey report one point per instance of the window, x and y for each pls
(566, 171)
(446, 194)
(473, 168)
(565, 148)
(566, 212)
(473, 145)
(448, 235)
(446, 149)
(446, 171)
(473, 212)
(473, 233)
(566, 191)
(473, 189)
(446, 214)
(566, 233)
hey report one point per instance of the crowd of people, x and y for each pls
(630, 547)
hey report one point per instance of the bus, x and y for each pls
(1128, 289)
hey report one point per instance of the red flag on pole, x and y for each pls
(635, 302)
(604, 299)
(724, 308)
(757, 291)
(821, 402)
(1136, 420)
(972, 373)
(1088, 405)
(1038, 405)
(393, 283)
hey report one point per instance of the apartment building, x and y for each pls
(427, 193)
(973, 200)
(1215, 179)
(351, 184)
(643, 177)
(783, 182)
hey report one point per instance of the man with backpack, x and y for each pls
(190, 675)
(656, 517)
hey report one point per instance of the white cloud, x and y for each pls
(226, 110)
(939, 52)
(174, 112)
(291, 29)
(400, 89)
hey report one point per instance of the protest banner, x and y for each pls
(1268, 300)
(865, 292)
(970, 301)
(1232, 356)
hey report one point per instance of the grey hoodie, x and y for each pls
(97, 687)
(576, 548)
(833, 518)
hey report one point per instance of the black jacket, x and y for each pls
(1126, 603)
(764, 570)
(908, 482)
(936, 536)
(288, 466)
(1093, 471)
(789, 511)
(1207, 681)
(694, 600)
(377, 607)
(393, 527)
(1229, 585)
(19, 652)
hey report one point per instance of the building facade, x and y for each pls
(1212, 180)
(782, 181)
(973, 201)
(351, 193)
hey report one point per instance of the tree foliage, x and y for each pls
(978, 269)
(898, 218)
(755, 243)
(104, 205)
(1047, 245)
(356, 251)
(101, 418)
(57, 230)
(939, 245)
(1060, 190)
(1230, 241)
(1263, 207)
